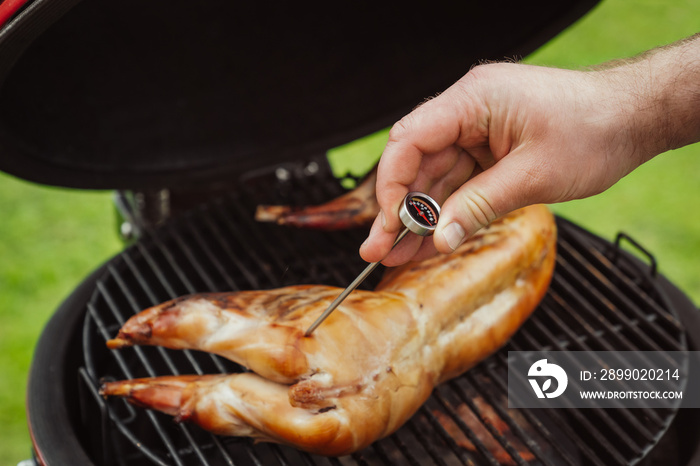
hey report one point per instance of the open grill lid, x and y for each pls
(133, 95)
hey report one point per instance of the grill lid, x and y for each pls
(132, 95)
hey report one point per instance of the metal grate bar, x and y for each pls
(649, 413)
(536, 421)
(190, 289)
(573, 293)
(359, 459)
(253, 282)
(307, 458)
(505, 443)
(645, 342)
(212, 258)
(627, 305)
(527, 439)
(625, 413)
(253, 456)
(279, 456)
(141, 281)
(172, 263)
(584, 316)
(201, 273)
(115, 312)
(381, 453)
(587, 425)
(575, 412)
(283, 242)
(611, 268)
(602, 342)
(220, 448)
(332, 269)
(564, 426)
(167, 441)
(279, 243)
(195, 445)
(460, 453)
(156, 269)
(121, 320)
(413, 427)
(609, 422)
(310, 241)
(452, 413)
(401, 446)
(146, 363)
(624, 288)
(427, 447)
(163, 353)
(553, 314)
(334, 461)
(90, 383)
(256, 231)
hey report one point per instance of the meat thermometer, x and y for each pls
(419, 214)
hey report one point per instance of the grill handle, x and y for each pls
(616, 252)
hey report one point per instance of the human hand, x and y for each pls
(508, 135)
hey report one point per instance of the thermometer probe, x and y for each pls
(419, 214)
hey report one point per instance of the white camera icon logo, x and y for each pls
(541, 369)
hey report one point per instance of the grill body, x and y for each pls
(600, 299)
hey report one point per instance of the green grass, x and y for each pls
(50, 239)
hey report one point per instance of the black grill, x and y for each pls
(600, 299)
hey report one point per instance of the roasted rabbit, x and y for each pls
(369, 366)
(357, 207)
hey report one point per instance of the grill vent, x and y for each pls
(599, 300)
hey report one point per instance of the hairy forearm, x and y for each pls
(660, 95)
(508, 135)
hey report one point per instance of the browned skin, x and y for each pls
(354, 209)
(371, 364)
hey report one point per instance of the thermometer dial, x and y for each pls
(419, 213)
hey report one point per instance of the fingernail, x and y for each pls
(383, 218)
(454, 235)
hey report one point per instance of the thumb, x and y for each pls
(491, 194)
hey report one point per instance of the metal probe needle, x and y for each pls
(355, 283)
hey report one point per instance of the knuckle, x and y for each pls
(477, 209)
(479, 72)
(490, 75)
(400, 129)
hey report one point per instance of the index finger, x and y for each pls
(429, 129)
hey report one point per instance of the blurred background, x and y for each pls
(51, 239)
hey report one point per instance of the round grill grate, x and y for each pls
(599, 299)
